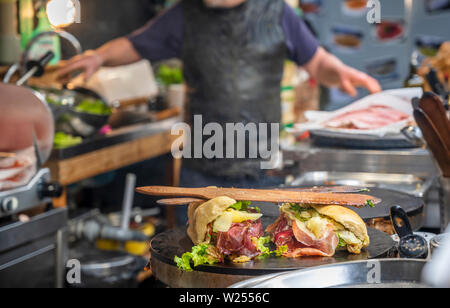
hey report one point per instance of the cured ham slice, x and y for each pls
(239, 239)
(375, 116)
(326, 244)
(302, 243)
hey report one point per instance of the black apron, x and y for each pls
(233, 65)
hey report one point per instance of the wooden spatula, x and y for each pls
(434, 141)
(261, 195)
(333, 189)
(433, 107)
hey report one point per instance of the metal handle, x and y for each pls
(36, 68)
(400, 221)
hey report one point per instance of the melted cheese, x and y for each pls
(224, 222)
(349, 238)
(317, 226)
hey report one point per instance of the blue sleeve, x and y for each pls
(301, 43)
(162, 37)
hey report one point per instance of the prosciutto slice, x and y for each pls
(300, 243)
(239, 239)
(375, 116)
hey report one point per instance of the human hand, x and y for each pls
(88, 63)
(350, 79)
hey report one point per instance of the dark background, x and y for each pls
(104, 20)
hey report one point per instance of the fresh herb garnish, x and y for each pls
(365, 190)
(241, 206)
(370, 203)
(199, 256)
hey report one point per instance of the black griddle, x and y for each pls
(321, 138)
(166, 246)
(413, 206)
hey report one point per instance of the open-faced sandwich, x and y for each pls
(309, 230)
(221, 229)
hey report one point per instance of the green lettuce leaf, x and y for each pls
(199, 256)
(281, 250)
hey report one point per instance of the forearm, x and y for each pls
(118, 52)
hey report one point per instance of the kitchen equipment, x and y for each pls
(343, 140)
(414, 135)
(411, 245)
(128, 200)
(410, 184)
(387, 273)
(276, 196)
(336, 189)
(433, 106)
(434, 141)
(21, 66)
(32, 251)
(166, 246)
(69, 119)
(438, 241)
(435, 83)
(105, 269)
(24, 112)
(444, 196)
(36, 68)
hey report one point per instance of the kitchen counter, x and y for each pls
(121, 148)
(304, 157)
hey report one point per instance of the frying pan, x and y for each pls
(23, 113)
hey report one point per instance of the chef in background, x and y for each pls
(233, 53)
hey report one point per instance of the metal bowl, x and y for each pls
(63, 104)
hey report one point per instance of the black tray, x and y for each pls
(166, 246)
(322, 138)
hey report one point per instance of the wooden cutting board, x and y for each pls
(261, 195)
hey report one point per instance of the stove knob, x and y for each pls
(50, 190)
(10, 205)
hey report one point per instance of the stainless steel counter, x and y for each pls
(305, 162)
(303, 157)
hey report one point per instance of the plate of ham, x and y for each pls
(379, 115)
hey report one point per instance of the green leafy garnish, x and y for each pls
(370, 203)
(281, 250)
(241, 206)
(261, 246)
(342, 243)
(199, 256)
(170, 75)
(95, 107)
(63, 140)
(298, 208)
(365, 190)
